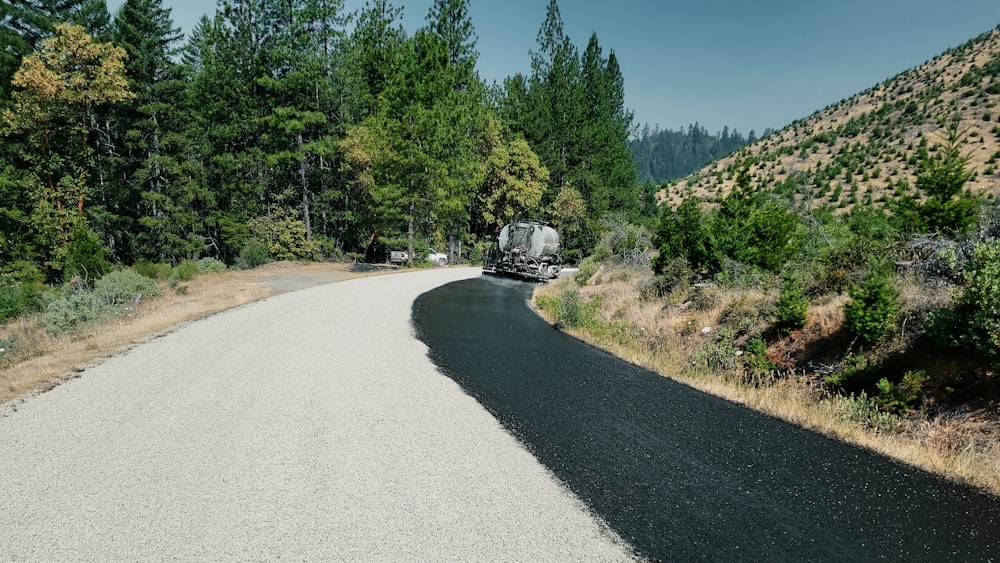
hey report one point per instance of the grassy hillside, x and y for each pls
(815, 275)
(867, 148)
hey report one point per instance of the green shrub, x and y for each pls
(77, 310)
(755, 359)
(571, 255)
(775, 235)
(737, 275)
(853, 373)
(547, 303)
(625, 244)
(704, 297)
(572, 311)
(903, 396)
(744, 314)
(7, 344)
(683, 234)
(125, 286)
(211, 266)
(22, 289)
(863, 411)
(285, 235)
(85, 255)
(24, 272)
(719, 355)
(18, 298)
(871, 313)
(791, 308)
(587, 269)
(187, 270)
(675, 275)
(253, 254)
(974, 322)
(153, 270)
(145, 268)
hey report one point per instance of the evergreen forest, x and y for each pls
(283, 130)
(665, 155)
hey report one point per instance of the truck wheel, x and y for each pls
(442, 261)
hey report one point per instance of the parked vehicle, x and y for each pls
(526, 249)
(436, 257)
(402, 257)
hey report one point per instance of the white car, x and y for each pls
(436, 257)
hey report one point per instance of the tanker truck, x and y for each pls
(526, 249)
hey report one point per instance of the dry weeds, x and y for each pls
(663, 339)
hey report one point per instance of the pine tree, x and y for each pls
(554, 101)
(376, 47)
(608, 162)
(155, 191)
(449, 19)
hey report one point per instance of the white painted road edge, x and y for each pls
(308, 426)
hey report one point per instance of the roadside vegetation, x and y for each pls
(48, 332)
(878, 325)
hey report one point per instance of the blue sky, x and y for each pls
(740, 63)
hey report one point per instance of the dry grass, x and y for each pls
(38, 361)
(664, 339)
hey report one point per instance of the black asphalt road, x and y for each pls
(682, 475)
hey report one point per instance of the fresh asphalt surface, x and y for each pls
(681, 475)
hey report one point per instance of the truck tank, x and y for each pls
(527, 249)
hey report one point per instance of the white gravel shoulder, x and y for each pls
(309, 426)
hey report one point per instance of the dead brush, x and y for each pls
(827, 316)
(670, 333)
(957, 432)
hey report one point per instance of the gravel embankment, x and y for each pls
(309, 426)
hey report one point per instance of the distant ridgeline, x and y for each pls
(667, 155)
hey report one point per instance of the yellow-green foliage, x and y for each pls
(587, 270)
(156, 271)
(284, 235)
(187, 270)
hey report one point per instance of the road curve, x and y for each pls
(309, 426)
(681, 475)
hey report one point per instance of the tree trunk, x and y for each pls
(305, 192)
(409, 234)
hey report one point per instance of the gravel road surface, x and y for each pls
(309, 426)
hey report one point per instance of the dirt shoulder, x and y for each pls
(39, 362)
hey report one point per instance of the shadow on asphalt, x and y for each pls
(682, 475)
